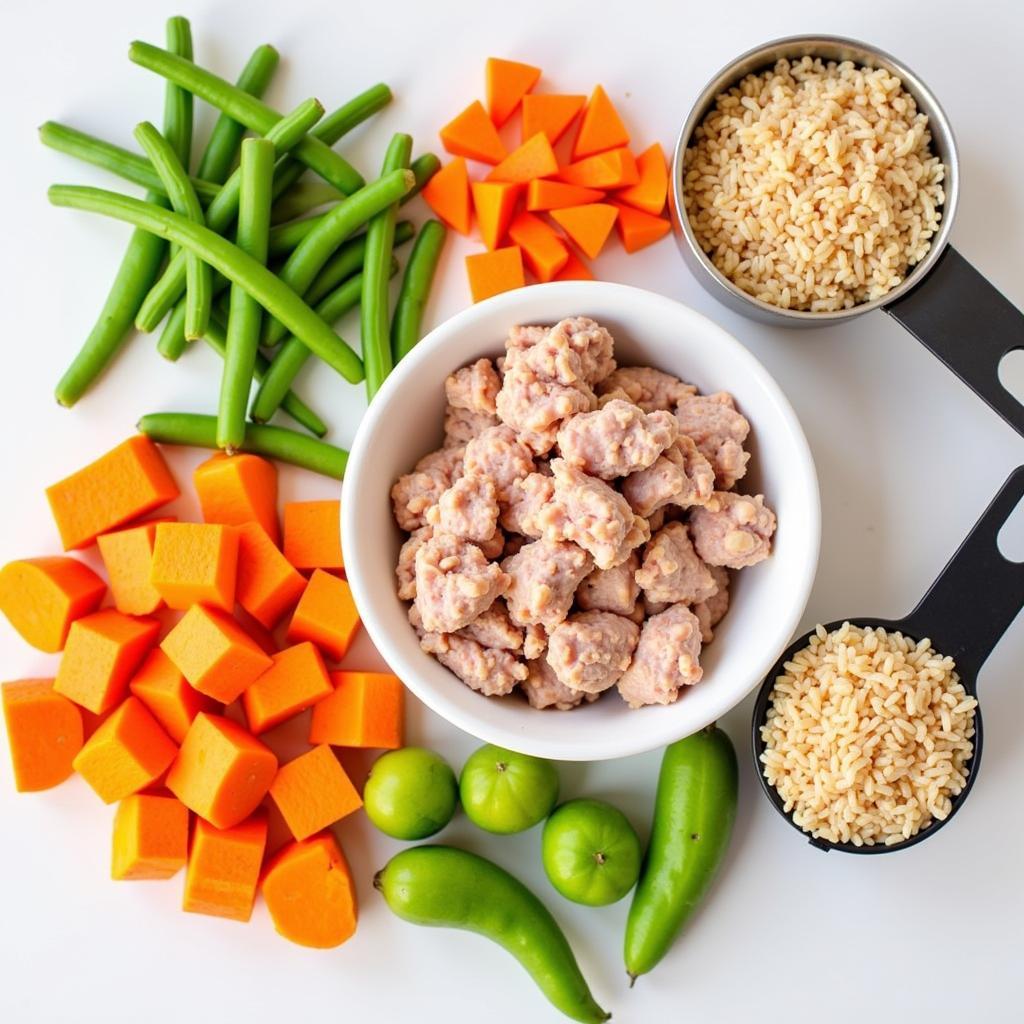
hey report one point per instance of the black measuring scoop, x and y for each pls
(965, 613)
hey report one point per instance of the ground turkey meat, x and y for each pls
(419, 490)
(732, 530)
(468, 509)
(462, 425)
(527, 499)
(543, 690)
(494, 628)
(535, 641)
(649, 388)
(474, 387)
(681, 476)
(587, 338)
(544, 577)
(499, 455)
(719, 431)
(405, 571)
(611, 590)
(494, 673)
(591, 650)
(671, 570)
(666, 658)
(710, 612)
(454, 583)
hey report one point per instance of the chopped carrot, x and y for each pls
(296, 680)
(160, 685)
(472, 134)
(222, 772)
(224, 868)
(44, 733)
(237, 489)
(491, 273)
(214, 653)
(545, 253)
(614, 169)
(638, 229)
(150, 837)
(588, 226)
(129, 481)
(102, 653)
(195, 563)
(556, 195)
(601, 128)
(574, 270)
(326, 615)
(127, 753)
(447, 194)
(41, 597)
(365, 709)
(312, 534)
(309, 893)
(267, 585)
(495, 202)
(313, 792)
(550, 113)
(128, 558)
(508, 82)
(650, 192)
(533, 159)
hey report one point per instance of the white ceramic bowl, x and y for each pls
(404, 422)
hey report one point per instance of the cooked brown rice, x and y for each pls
(867, 736)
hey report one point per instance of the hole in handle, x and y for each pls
(1011, 373)
(1010, 539)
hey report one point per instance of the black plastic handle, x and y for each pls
(979, 593)
(969, 324)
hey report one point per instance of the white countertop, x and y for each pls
(907, 458)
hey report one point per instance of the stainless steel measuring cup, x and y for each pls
(965, 613)
(943, 301)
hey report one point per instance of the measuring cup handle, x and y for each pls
(979, 593)
(969, 324)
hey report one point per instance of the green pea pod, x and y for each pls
(694, 811)
(443, 887)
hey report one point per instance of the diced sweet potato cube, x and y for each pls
(160, 685)
(313, 791)
(195, 563)
(296, 680)
(326, 615)
(128, 558)
(150, 837)
(44, 733)
(312, 534)
(237, 489)
(267, 585)
(224, 868)
(365, 709)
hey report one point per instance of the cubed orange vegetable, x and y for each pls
(638, 229)
(295, 681)
(447, 194)
(533, 159)
(237, 489)
(150, 837)
(224, 868)
(222, 771)
(129, 481)
(494, 202)
(214, 653)
(650, 192)
(312, 534)
(102, 653)
(160, 685)
(545, 253)
(326, 615)
(550, 113)
(614, 169)
(508, 82)
(601, 128)
(195, 563)
(41, 597)
(588, 226)
(542, 194)
(313, 791)
(267, 585)
(127, 753)
(128, 559)
(574, 270)
(365, 709)
(309, 893)
(44, 733)
(472, 134)
(491, 273)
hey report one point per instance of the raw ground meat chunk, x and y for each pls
(649, 388)
(711, 612)
(493, 547)
(535, 641)
(492, 672)
(719, 431)
(419, 490)
(405, 571)
(454, 583)
(616, 440)
(681, 476)
(587, 338)
(544, 577)
(671, 570)
(611, 590)
(666, 659)
(527, 498)
(494, 628)
(498, 454)
(462, 425)
(543, 690)
(474, 387)
(732, 530)
(591, 650)
(468, 509)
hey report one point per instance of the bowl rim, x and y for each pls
(574, 295)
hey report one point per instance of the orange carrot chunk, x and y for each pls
(614, 169)
(472, 134)
(542, 194)
(638, 229)
(550, 113)
(313, 791)
(41, 597)
(491, 273)
(447, 194)
(128, 559)
(533, 159)
(312, 534)
(222, 772)
(44, 733)
(128, 752)
(545, 253)
(224, 868)
(237, 489)
(195, 563)
(295, 681)
(102, 653)
(129, 481)
(495, 202)
(150, 837)
(267, 585)
(214, 653)
(650, 192)
(326, 615)
(588, 226)
(508, 82)
(601, 127)
(574, 270)
(309, 893)
(365, 709)
(160, 685)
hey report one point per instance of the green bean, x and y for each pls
(266, 287)
(412, 299)
(245, 315)
(178, 101)
(221, 212)
(424, 167)
(172, 342)
(346, 261)
(316, 248)
(246, 109)
(198, 295)
(222, 148)
(273, 442)
(302, 197)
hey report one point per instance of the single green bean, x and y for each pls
(273, 442)
(245, 315)
(266, 287)
(346, 261)
(172, 342)
(246, 109)
(412, 299)
(301, 198)
(178, 101)
(424, 167)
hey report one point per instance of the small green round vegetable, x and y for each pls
(505, 792)
(591, 852)
(406, 327)
(410, 793)
(443, 887)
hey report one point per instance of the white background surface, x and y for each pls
(907, 460)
